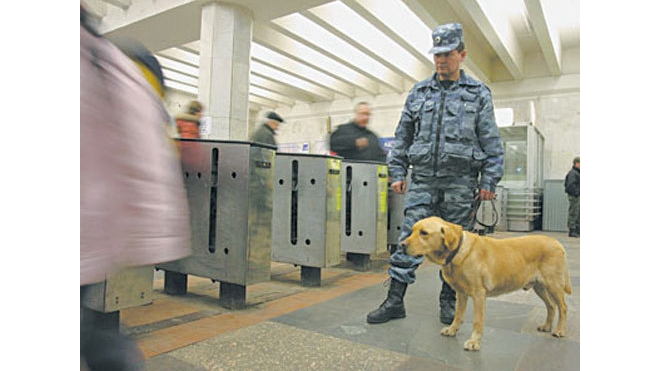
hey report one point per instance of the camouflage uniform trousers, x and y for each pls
(573, 212)
(450, 198)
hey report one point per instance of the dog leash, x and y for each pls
(473, 215)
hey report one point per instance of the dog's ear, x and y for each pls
(452, 234)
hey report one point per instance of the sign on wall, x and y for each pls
(386, 144)
(293, 147)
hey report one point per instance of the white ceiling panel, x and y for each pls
(308, 51)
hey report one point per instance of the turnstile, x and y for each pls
(129, 287)
(307, 213)
(395, 212)
(364, 212)
(230, 187)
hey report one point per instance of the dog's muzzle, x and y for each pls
(404, 249)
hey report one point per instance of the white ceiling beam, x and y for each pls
(353, 29)
(271, 95)
(181, 87)
(285, 78)
(434, 13)
(122, 4)
(317, 37)
(277, 60)
(296, 50)
(181, 55)
(96, 7)
(262, 101)
(177, 66)
(533, 87)
(547, 36)
(179, 77)
(140, 10)
(496, 29)
(290, 91)
(397, 21)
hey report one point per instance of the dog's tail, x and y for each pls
(567, 282)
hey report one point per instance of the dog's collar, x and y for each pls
(452, 254)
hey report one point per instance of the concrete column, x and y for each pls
(224, 68)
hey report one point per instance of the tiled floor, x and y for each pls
(290, 327)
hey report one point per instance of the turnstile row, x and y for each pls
(250, 206)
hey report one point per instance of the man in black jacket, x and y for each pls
(572, 188)
(353, 141)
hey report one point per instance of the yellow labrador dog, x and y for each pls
(479, 267)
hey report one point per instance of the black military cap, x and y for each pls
(274, 116)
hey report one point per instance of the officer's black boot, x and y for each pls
(392, 307)
(573, 232)
(447, 303)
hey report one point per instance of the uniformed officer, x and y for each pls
(447, 133)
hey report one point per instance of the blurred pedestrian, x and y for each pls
(354, 141)
(188, 122)
(266, 132)
(133, 204)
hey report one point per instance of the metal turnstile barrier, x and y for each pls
(395, 212)
(130, 287)
(230, 187)
(396, 206)
(364, 212)
(307, 213)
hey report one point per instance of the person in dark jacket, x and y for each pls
(266, 132)
(572, 189)
(353, 141)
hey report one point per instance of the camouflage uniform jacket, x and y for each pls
(448, 133)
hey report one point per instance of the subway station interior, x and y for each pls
(291, 243)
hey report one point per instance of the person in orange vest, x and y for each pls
(187, 123)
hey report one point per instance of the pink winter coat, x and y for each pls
(133, 204)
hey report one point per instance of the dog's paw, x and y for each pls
(472, 345)
(449, 331)
(559, 334)
(544, 328)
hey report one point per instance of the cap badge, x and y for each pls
(437, 40)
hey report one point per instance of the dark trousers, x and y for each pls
(105, 349)
(573, 212)
(449, 199)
